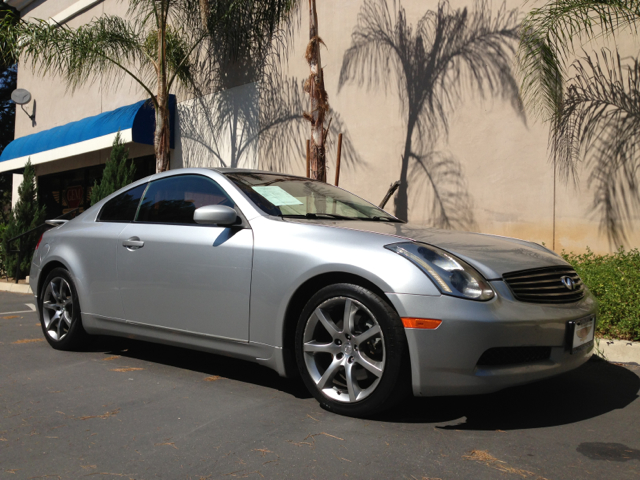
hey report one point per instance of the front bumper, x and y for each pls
(444, 361)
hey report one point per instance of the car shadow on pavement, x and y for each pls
(594, 389)
(203, 362)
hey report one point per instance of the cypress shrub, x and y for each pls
(26, 215)
(613, 279)
(118, 172)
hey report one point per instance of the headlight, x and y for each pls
(452, 275)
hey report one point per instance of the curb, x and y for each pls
(618, 351)
(15, 287)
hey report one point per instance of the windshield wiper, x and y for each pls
(333, 216)
(380, 219)
(313, 216)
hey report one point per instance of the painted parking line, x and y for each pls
(30, 305)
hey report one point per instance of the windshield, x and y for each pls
(296, 197)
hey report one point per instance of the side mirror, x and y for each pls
(215, 215)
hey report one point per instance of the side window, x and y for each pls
(123, 207)
(174, 199)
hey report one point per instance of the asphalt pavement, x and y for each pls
(130, 409)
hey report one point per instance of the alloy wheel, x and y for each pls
(57, 308)
(344, 351)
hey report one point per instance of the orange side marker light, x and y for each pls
(424, 323)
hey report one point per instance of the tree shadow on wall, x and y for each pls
(216, 129)
(450, 52)
(254, 117)
(284, 131)
(255, 124)
(444, 188)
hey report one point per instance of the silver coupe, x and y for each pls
(306, 278)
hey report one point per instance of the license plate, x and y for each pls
(581, 332)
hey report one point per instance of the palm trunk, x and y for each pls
(318, 96)
(204, 12)
(234, 136)
(161, 136)
(161, 142)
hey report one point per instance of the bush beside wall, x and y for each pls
(615, 281)
(118, 172)
(26, 215)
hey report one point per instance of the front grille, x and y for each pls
(544, 285)
(513, 356)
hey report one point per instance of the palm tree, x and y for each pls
(592, 104)
(161, 47)
(600, 123)
(8, 79)
(449, 50)
(314, 86)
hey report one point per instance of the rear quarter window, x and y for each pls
(123, 207)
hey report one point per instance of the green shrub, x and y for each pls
(118, 172)
(615, 281)
(3, 270)
(26, 215)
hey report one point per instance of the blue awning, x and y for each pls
(135, 122)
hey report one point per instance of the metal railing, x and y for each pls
(44, 227)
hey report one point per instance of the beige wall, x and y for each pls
(500, 179)
(55, 103)
(494, 172)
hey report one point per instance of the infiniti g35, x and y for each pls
(309, 279)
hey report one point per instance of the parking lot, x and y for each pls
(129, 409)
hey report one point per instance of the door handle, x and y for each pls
(133, 243)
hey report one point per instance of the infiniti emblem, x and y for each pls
(568, 282)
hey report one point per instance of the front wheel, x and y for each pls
(60, 311)
(352, 351)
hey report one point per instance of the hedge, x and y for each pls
(615, 281)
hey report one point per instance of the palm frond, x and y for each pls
(551, 33)
(600, 122)
(82, 55)
(8, 20)
(616, 200)
(243, 29)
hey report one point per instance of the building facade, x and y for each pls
(475, 161)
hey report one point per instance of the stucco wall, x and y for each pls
(491, 172)
(55, 103)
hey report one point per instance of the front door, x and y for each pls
(178, 275)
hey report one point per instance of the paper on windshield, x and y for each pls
(277, 196)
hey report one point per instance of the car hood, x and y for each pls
(492, 255)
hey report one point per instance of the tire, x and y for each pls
(357, 367)
(60, 312)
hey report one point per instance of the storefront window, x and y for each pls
(65, 191)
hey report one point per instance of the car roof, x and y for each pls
(251, 170)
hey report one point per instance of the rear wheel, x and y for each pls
(60, 311)
(351, 351)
